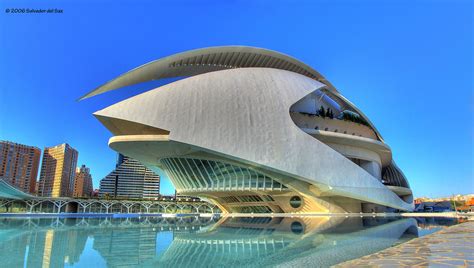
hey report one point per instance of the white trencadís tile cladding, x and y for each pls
(245, 113)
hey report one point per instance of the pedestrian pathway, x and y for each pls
(450, 247)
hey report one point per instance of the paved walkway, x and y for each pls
(450, 247)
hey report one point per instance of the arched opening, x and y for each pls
(117, 208)
(156, 208)
(137, 208)
(171, 208)
(71, 207)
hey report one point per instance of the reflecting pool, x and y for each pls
(201, 242)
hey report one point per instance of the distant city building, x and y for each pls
(458, 197)
(19, 165)
(420, 200)
(58, 170)
(470, 204)
(441, 206)
(95, 193)
(130, 179)
(83, 182)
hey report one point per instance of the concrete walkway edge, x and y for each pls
(449, 247)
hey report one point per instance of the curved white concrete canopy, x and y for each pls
(211, 59)
(382, 149)
(9, 191)
(244, 113)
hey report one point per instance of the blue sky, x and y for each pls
(407, 64)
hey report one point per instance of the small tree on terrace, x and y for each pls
(321, 112)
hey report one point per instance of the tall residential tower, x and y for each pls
(83, 182)
(19, 165)
(58, 171)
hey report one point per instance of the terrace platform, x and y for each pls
(450, 247)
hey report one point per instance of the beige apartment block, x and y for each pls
(58, 171)
(83, 182)
(19, 165)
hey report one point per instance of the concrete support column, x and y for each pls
(373, 168)
(128, 206)
(83, 206)
(30, 205)
(107, 206)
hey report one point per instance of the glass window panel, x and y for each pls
(190, 173)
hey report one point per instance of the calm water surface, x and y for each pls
(201, 242)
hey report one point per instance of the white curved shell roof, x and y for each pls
(206, 60)
(211, 59)
(244, 114)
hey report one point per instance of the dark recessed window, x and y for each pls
(296, 227)
(295, 202)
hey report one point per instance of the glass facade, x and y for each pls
(190, 174)
(130, 179)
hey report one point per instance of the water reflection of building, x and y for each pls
(50, 248)
(127, 246)
(429, 223)
(194, 241)
(56, 248)
(269, 241)
(126, 242)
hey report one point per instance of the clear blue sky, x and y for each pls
(407, 64)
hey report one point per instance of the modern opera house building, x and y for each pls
(254, 130)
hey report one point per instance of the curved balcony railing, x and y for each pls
(310, 121)
(392, 176)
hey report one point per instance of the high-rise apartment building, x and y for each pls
(58, 170)
(130, 179)
(83, 182)
(19, 165)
